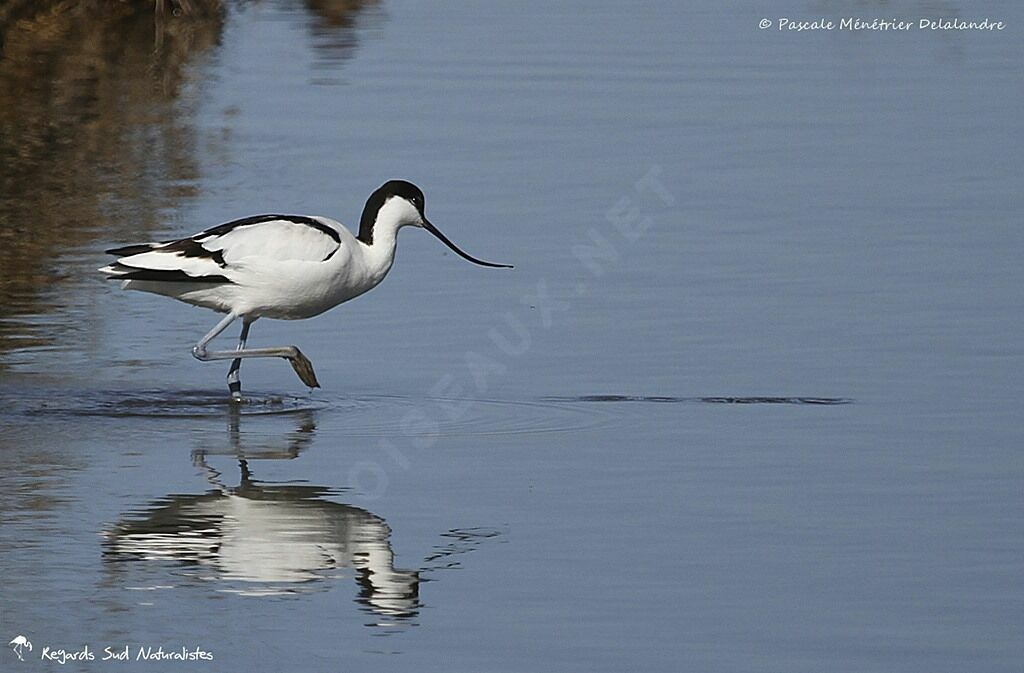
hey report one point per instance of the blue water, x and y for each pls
(749, 400)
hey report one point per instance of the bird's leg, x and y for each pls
(300, 363)
(234, 379)
(199, 350)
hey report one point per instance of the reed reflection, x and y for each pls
(332, 25)
(97, 133)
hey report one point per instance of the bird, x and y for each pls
(284, 267)
(19, 643)
(269, 539)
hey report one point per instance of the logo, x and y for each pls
(20, 643)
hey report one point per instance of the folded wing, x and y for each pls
(210, 256)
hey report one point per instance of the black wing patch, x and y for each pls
(129, 250)
(166, 276)
(189, 247)
(222, 229)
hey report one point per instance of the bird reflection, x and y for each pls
(266, 539)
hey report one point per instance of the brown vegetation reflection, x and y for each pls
(94, 131)
(331, 25)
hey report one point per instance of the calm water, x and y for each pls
(749, 401)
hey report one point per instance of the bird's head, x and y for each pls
(398, 204)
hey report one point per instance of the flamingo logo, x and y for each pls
(20, 643)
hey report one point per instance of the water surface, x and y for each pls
(747, 402)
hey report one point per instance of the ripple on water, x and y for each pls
(365, 416)
(706, 400)
(390, 414)
(158, 403)
(374, 415)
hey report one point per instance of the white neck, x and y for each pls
(392, 216)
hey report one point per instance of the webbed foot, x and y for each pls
(304, 369)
